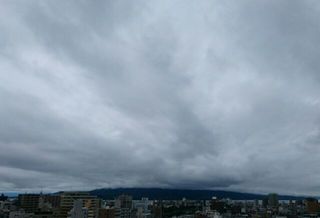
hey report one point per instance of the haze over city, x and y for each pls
(221, 95)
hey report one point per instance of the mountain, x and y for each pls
(176, 194)
(10, 194)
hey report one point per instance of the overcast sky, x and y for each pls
(178, 94)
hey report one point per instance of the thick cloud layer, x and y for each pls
(184, 94)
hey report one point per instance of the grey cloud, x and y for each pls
(159, 94)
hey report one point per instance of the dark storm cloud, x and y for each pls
(160, 94)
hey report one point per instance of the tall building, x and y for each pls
(157, 209)
(29, 202)
(124, 201)
(312, 205)
(67, 199)
(54, 200)
(217, 205)
(3, 197)
(142, 208)
(106, 213)
(273, 200)
(78, 211)
(123, 206)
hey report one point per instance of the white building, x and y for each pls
(78, 211)
(142, 207)
(20, 214)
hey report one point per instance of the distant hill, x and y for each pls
(176, 194)
(10, 194)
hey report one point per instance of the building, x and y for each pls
(54, 200)
(273, 200)
(67, 199)
(157, 211)
(43, 214)
(143, 203)
(123, 206)
(78, 211)
(7, 205)
(3, 197)
(107, 213)
(124, 201)
(312, 205)
(218, 205)
(20, 214)
(142, 208)
(29, 202)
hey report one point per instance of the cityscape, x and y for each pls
(159, 109)
(81, 204)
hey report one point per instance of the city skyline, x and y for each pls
(168, 94)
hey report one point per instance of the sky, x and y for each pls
(171, 94)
